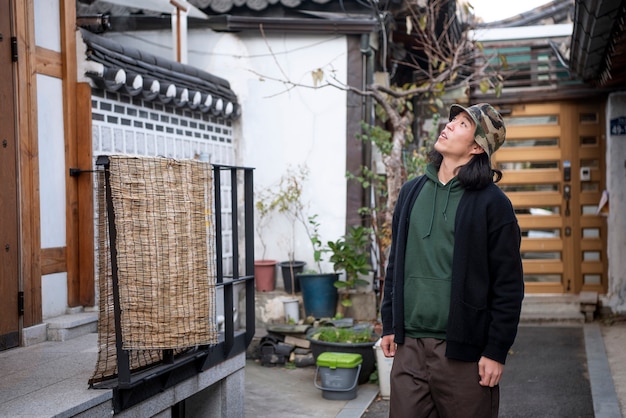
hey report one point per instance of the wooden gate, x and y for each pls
(9, 244)
(554, 173)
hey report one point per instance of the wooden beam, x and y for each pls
(535, 199)
(521, 132)
(522, 154)
(69, 75)
(30, 228)
(53, 260)
(85, 189)
(540, 221)
(541, 245)
(534, 176)
(48, 62)
(543, 266)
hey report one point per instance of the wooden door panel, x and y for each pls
(563, 239)
(9, 244)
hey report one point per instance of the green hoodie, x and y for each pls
(428, 261)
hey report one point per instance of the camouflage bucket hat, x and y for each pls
(490, 130)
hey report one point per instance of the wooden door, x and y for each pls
(9, 250)
(554, 173)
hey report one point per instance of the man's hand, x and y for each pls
(490, 372)
(388, 346)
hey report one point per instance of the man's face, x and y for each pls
(456, 140)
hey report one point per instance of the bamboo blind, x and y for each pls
(163, 212)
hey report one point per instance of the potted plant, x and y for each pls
(350, 254)
(264, 269)
(285, 199)
(319, 293)
(358, 339)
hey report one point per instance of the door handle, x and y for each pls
(567, 194)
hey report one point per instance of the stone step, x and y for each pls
(71, 325)
(552, 310)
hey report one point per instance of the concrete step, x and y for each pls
(71, 325)
(552, 310)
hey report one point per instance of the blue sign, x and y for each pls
(618, 126)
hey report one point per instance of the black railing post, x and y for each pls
(123, 362)
(234, 196)
(249, 249)
(217, 183)
(229, 326)
(229, 291)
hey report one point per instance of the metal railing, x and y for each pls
(133, 387)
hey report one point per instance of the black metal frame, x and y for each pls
(130, 388)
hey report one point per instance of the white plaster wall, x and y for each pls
(52, 171)
(52, 174)
(47, 28)
(280, 127)
(616, 186)
(51, 145)
(54, 295)
(285, 127)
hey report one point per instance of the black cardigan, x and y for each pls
(487, 279)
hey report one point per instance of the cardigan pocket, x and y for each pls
(468, 324)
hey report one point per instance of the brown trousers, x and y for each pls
(426, 384)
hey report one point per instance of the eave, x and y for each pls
(117, 68)
(231, 23)
(598, 48)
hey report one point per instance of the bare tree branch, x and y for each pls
(440, 57)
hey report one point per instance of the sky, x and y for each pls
(491, 10)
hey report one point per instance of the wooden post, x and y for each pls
(181, 6)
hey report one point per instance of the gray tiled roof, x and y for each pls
(301, 16)
(135, 72)
(224, 6)
(598, 50)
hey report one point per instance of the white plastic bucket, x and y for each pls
(383, 365)
(292, 310)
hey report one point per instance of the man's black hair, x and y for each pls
(475, 175)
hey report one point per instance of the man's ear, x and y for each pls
(476, 149)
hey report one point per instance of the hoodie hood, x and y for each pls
(441, 196)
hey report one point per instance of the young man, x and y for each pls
(454, 284)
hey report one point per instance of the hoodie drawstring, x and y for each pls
(432, 214)
(445, 207)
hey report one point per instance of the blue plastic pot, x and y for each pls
(319, 294)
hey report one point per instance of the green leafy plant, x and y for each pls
(344, 335)
(351, 254)
(318, 246)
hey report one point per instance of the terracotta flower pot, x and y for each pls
(265, 275)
